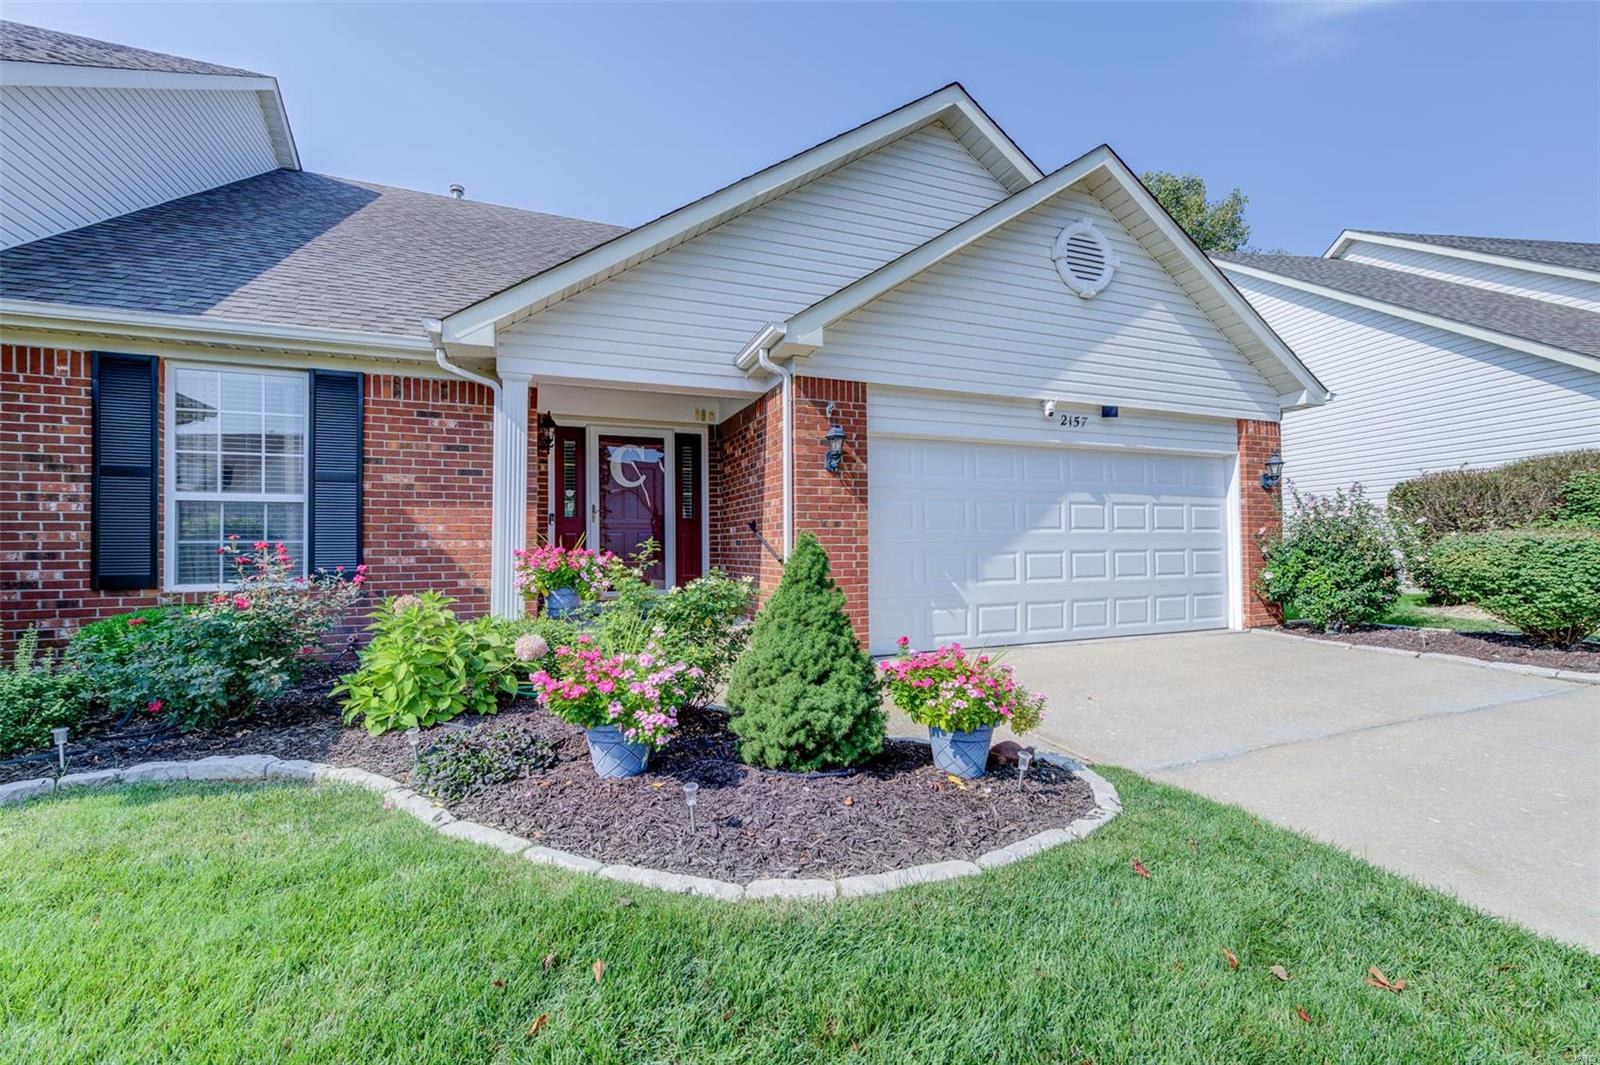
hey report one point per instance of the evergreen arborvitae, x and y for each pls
(804, 696)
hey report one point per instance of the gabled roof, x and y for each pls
(20, 43)
(951, 105)
(298, 249)
(1105, 175)
(1567, 334)
(1566, 258)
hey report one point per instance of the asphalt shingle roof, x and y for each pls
(1549, 252)
(302, 249)
(1559, 326)
(34, 44)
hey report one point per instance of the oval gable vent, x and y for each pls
(1084, 259)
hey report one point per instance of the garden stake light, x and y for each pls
(414, 737)
(1024, 759)
(691, 796)
(60, 736)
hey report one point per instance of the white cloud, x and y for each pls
(1302, 30)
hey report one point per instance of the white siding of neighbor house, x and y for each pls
(996, 318)
(1412, 399)
(70, 157)
(681, 317)
(1569, 291)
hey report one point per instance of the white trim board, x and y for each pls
(1505, 340)
(1353, 236)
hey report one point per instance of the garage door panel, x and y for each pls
(1010, 544)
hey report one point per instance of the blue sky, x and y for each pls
(1479, 118)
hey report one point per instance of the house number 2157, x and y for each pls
(1074, 421)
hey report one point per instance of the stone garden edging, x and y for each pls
(1571, 675)
(396, 796)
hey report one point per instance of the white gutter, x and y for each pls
(509, 480)
(758, 353)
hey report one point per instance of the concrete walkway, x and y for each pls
(1481, 782)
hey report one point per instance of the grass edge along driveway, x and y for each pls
(271, 923)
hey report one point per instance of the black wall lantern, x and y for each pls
(835, 443)
(547, 432)
(1272, 473)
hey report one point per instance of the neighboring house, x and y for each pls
(1050, 411)
(1444, 352)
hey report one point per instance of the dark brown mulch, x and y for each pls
(897, 810)
(1487, 646)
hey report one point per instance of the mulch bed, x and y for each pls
(1486, 646)
(896, 811)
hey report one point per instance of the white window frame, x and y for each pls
(169, 481)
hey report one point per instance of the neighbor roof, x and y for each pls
(34, 44)
(1549, 252)
(1539, 321)
(294, 248)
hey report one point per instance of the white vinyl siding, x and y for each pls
(75, 156)
(1569, 291)
(1412, 399)
(997, 318)
(688, 311)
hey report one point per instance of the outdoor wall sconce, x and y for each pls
(547, 432)
(1272, 473)
(835, 442)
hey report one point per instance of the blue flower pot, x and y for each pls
(561, 602)
(613, 755)
(966, 754)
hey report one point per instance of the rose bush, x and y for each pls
(229, 655)
(955, 691)
(640, 694)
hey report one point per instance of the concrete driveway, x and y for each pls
(1481, 782)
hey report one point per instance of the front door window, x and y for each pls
(633, 497)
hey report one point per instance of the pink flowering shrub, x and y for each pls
(638, 693)
(551, 566)
(227, 656)
(953, 690)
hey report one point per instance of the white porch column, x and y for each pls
(510, 522)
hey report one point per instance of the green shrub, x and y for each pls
(804, 696)
(1546, 582)
(704, 624)
(423, 666)
(36, 695)
(1580, 500)
(1526, 492)
(460, 763)
(225, 658)
(1334, 563)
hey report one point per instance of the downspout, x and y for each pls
(764, 360)
(504, 601)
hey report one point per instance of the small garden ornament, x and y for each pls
(961, 698)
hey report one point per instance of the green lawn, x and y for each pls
(1413, 608)
(216, 924)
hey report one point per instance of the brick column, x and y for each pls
(833, 506)
(746, 466)
(1259, 516)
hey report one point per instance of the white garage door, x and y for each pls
(996, 543)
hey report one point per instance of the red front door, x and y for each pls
(633, 497)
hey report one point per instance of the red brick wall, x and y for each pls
(1259, 515)
(426, 494)
(833, 506)
(746, 475)
(45, 464)
(747, 485)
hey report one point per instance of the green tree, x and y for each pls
(805, 696)
(1215, 225)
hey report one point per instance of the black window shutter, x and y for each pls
(122, 527)
(335, 487)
